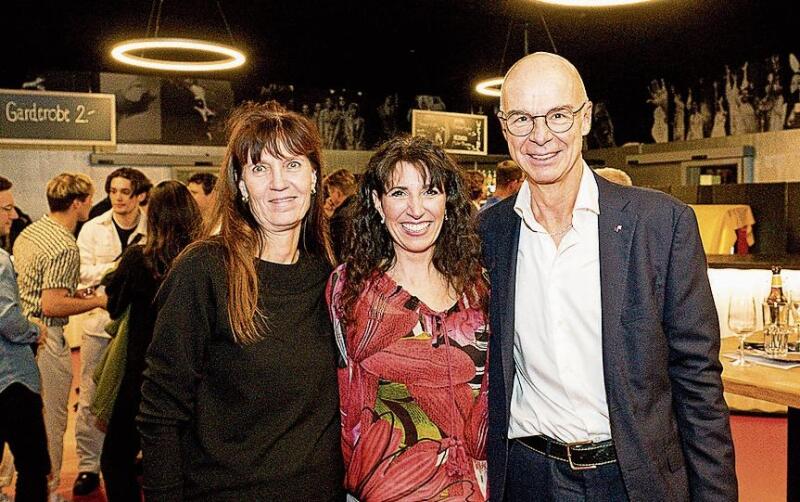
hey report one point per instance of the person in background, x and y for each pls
(17, 225)
(476, 187)
(201, 186)
(47, 260)
(614, 175)
(101, 242)
(408, 309)
(173, 221)
(341, 188)
(21, 420)
(105, 205)
(605, 382)
(339, 185)
(239, 397)
(509, 178)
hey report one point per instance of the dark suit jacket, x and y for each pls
(660, 343)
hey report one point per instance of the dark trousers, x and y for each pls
(22, 428)
(120, 448)
(533, 476)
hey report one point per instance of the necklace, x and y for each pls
(562, 231)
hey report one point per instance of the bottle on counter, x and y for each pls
(776, 317)
(777, 303)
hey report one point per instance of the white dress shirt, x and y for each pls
(559, 385)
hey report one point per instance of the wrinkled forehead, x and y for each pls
(277, 149)
(539, 85)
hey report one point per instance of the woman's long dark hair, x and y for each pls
(252, 129)
(369, 248)
(173, 222)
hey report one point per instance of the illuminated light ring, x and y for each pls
(592, 3)
(490, 87)
(121, 52)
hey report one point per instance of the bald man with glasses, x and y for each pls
(605, 377)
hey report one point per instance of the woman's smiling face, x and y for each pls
(279, 189)
(413, 211)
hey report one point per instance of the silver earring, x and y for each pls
(383, 219)
(245, 197)
(313, 190)
(445, 216)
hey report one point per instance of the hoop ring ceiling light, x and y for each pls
(122, 53)
(592, 3)
(490, 87)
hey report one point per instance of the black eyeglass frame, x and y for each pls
(503, 120)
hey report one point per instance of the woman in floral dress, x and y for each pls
(408, 308)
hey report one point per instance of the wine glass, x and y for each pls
(742, 321)
(793, 296)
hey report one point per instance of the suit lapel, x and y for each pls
(616, 227)
(508, 265)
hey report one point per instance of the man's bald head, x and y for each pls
(536, 86)
(538, 70)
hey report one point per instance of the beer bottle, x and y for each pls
(777, 304)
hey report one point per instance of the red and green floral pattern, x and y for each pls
(413, 396)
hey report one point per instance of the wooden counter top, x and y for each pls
(760, 382)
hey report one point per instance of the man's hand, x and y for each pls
(42, 331)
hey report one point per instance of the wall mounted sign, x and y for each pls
(456, 132)
(57, 118)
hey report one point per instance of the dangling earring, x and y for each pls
(313, 189)
(243, 190)
(383, 219)
(445, 216)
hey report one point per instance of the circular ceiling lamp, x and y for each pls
(233, 58)
(490, 87)
(592, 3)
(201, 55)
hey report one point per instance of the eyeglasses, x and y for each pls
(558, 120)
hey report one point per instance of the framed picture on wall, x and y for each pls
(456, 132)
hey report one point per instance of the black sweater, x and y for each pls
(226, 422)
(133, 283)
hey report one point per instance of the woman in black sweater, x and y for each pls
(239, 398)
(173, 220)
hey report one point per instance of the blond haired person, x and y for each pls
(48, 266)
(615, 175)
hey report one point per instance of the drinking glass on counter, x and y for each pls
(742, 321)
(776, 327)
(794, 316)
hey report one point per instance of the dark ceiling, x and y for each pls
(418, 46)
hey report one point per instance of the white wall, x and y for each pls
(777, 156)
(31, 168)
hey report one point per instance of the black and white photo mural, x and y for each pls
(138, 101)
(741, 99)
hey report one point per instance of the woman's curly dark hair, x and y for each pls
(369, 248)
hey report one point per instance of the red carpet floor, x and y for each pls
(760, 443)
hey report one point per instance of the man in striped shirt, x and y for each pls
(48, 263)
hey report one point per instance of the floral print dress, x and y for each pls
(413, 395)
